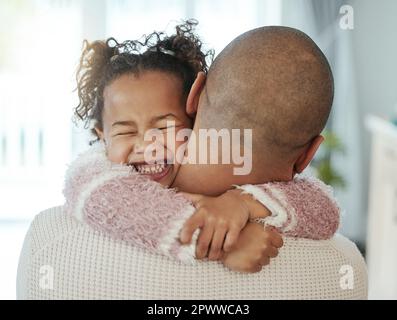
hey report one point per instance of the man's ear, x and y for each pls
(308, 154)
(194, 94)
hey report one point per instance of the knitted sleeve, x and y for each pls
(128, 206)
(304, 207)
(118, 201)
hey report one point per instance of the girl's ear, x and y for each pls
(99, 132)
(194, 94)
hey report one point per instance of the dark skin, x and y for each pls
(267, 164)
(253, 245)
(226, 232)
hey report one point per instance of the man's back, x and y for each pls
(63, 259)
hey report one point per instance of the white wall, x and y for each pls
(375, 58)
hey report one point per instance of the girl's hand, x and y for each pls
(220, 219)
(255, 247)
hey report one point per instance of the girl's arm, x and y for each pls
(300, 208)
(132, 208)
(304, 207)
(127, 206)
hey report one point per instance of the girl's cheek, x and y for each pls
(177, 148)
(118, 152)
(179, 151)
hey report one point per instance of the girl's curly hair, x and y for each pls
(103, 61)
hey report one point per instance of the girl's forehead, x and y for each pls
(145, 96)
(147, 86)
(149, 79)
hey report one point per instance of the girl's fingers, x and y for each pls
(231, 239)
(272, 252)
(217, 243)
(264, 261)
(277, 240)
(204, 240)
(190, 226)
(275, 237)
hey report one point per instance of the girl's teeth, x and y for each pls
(150, 169)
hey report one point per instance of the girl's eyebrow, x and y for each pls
(123, 123)
(168, 115)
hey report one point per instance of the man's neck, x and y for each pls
(216, 179)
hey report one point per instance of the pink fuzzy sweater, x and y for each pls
(128, 206)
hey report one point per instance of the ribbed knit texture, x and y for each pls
(90, 265)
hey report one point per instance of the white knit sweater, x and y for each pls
(64, 259)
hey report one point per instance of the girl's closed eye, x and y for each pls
(168, 127)
(127, 133)
(167, 122)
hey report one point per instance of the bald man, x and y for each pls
(275, 81)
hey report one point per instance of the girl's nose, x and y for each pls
(149, 146)
(140, 145)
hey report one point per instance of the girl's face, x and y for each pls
(134, 105)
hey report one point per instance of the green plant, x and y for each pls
(322, 164)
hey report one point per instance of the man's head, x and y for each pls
(277, 82)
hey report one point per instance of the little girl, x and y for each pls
(127, 92)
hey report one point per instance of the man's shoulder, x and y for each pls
(54, 223)
(334, 259)
(339, 248)
(49, 225)
(122, 271)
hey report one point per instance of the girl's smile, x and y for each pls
(155, 172)
(136, 104)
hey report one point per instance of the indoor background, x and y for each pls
(40, 43)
